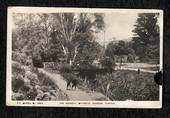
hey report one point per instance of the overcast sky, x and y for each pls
(118, 26)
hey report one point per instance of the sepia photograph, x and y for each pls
(84, 57)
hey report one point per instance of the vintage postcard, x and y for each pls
(84, 57)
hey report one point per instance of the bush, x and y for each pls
(70, 76)
(65, 68)
(17, 68)
(31, 94)
(37, 60)
(33, 69)
(37, 63)
(30, 84)
(21, 58)
(107, 62)
(17, 82)
(32, 77)
(130, 58)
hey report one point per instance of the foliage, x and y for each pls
(130, 58)
(120, 49)
(146, 38)
(108, 62)
(127, 85)
(37, 62)
(30, 84)
(53, 37)
(17, 82)
(70, 76)
(17, 68)
(65, 68)
(88, 49)
(22, 58)
(32, 77)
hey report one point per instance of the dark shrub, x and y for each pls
(65, 68)
(70, 76)
(107, 62)
(130, 58)
(37, 63)
(31, 94)
(17, 82)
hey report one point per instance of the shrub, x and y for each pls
(38, 63)
(37, 60)
(33, 69)
(21, 58)
(17, 68)
(130, 58)
(107, 62)
(31, 94)
(17, 82)
(32, 77)
(65, 68)
(70, 76)
(18, 96)
(30, 84)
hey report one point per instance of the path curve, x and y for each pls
(77, 94)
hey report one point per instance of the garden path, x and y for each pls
(77, 94)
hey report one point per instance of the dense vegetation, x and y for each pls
(58, 37)
(67, 42)
(127, 85)
(144, 45)
(30, 84)
(147, 38)
(116, 84)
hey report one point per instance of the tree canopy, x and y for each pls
(119, 49)
(146, 36)
(57, 36)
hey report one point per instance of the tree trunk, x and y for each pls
(75, 54)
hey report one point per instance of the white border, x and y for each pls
(93, 104)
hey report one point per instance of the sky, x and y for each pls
(118, 26)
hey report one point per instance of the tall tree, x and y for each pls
(75, 32)
(146, 36)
